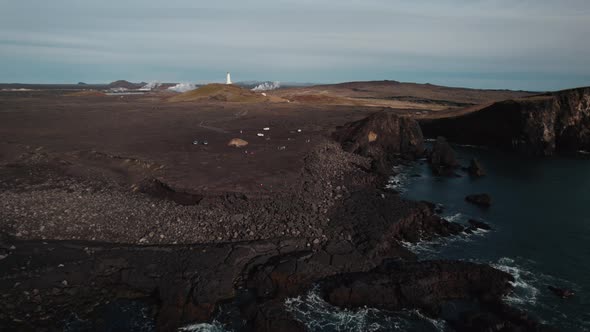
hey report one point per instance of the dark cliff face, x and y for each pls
(380, 135)
(541, 125)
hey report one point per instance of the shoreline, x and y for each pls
(341, 194)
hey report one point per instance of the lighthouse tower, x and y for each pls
(228, 78)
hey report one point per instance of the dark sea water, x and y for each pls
(541, 219)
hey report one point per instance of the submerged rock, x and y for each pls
(484, 200)
(479, 224)
(561, 292)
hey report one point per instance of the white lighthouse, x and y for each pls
(228, 78)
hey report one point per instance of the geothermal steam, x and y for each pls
(182, 87)
(266, 86)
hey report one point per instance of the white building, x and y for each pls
(228, 78)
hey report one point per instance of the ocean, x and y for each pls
(540, 216)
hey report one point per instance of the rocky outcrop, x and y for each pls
(473, 291)
(442, 158)
(381, 136)
(475, 168)
(540, 125)
(412, 285)
(443, 154)
(476, 224)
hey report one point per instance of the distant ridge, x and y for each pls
(223, 92)
(124, 84)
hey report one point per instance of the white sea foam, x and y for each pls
(431, 248)
(457, 217)
(318, 315)
(400, 180)
(203, 327)
(524, 290)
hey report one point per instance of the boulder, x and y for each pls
(237, 142)
(561, 292)
(443, 154)
(483, 200)
(476, 224)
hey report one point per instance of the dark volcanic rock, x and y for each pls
(479, 224)
(475, 168)
(484, 200)
(442, 157)
(561, 292)
(443, 154)
(411, 285)
(382, 135)
(539, 125)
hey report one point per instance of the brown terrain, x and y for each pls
(141, 197)
(395, 94)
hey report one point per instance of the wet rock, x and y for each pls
(483, 200)
(425, 285)
(476, 224)
(561, 292)
(442, 157)
(475, 168)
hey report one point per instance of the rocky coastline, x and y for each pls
(542, 125)
(338, 227)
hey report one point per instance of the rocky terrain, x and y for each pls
(196, 230)
(394, 94)
(541, 125)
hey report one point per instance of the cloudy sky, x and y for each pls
(525, 44)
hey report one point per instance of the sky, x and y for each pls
(503, 44)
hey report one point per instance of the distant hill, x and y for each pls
(124, 84)
(223, 92)
(397, 94)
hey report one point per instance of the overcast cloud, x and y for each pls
(534, 45)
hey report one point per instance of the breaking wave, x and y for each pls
(203, 327)
(399, 182)
(524, 290)
(318, 315)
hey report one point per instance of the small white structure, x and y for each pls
(228, 78)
